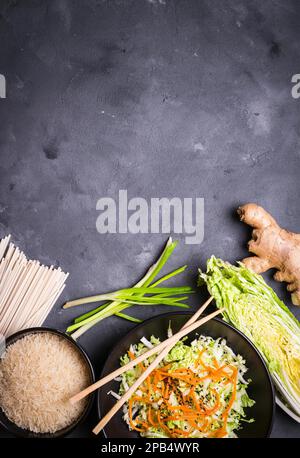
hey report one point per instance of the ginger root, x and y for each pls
(274, 247)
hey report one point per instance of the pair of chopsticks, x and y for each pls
(163, 349)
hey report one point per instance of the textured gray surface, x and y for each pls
(163, 98)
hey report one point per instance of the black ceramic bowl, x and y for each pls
(16, 430)
(260, 389)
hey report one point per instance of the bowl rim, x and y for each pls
(189, 313)
(21, 432)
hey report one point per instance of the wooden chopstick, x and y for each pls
(77, 397)
(144, 375)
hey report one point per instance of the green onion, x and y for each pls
(145, 292)
(128, 317)
(128, 292)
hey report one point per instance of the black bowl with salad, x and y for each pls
(213, 383)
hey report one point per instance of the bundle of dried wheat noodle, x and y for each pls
(28, 290)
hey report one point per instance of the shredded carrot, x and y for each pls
(131, 355)
(198, 360)
(182, 383)
(166, 396)
(162, 389)
(166, 367)
(132, 425)
(215, 363)
(163, 426)
(141, 366)
(221, 432)
(150, 418)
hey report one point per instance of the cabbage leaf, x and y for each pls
(256, 310)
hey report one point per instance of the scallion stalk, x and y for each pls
(145, 292)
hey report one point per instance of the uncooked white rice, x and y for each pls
(38, 375)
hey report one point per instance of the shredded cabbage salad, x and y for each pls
(198, 390)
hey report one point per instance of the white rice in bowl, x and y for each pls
(38, 375)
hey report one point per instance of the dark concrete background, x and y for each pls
(160, 97)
